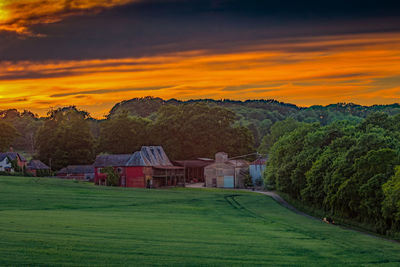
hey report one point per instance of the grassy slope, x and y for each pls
(56, 222)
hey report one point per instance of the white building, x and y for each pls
(5, 164)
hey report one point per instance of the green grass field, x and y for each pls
(51, 222)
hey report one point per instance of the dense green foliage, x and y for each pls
(7, 135)
(55, 222)
(184, 131)
(342, 168)
(391, 202)
(260, 115)
(113, 176)
(187, 129)
(190, 131)
(65, 139)
(26, 125)
(123, 134)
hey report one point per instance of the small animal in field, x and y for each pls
(328, 220)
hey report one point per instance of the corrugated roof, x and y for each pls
(76, 169)
(136, 160)
(37, 165)
(193, 163)
(155, 156)
(11, 155)
(147, 156)
(115, 160)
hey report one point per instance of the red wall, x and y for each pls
(98, 175)
(135, 177)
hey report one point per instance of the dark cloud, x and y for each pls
(251, 86)
(74, 70)
(105, 91)
(155, 27)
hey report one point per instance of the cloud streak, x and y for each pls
(361, 68)
(18, 16)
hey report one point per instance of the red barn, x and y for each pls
(149, 167)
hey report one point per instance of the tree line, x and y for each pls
(69, 136)
(348, 169)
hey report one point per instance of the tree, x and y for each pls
(65, 138)
(7, 135)
(391, 201)
(124, 134)
(278, 130)
(198, 130)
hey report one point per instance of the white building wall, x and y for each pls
(4, 164)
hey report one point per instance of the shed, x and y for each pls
(77, 172)
(194, 169)
(256, 170)
(226, 173)
(38, 168)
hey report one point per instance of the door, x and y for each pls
(228, 182)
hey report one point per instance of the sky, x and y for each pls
(93, 54)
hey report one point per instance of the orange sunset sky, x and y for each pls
(95, 53)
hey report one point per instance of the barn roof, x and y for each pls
(261, 161)
(147, 156)
(115, 160)
(77, 169)
(37, 165)
(11, 155)
(193, 163)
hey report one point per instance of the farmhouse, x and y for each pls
(226, 173)
(149, 167)
(77, 172)
(38, 168)
(7, 157)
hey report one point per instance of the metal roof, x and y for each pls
(115, 160)
(147, 156)
(11, 155)
(77, 169)
(193, 163)
(37, 165)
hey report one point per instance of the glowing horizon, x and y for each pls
(93, 54)
(362, 69)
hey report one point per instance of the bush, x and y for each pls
(247, 181)
(113, 176)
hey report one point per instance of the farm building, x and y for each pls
(38, 168)
(7, 157)
(226, 173)
(256, 170)
(194, 169)
(77, 172)
(148, 167)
